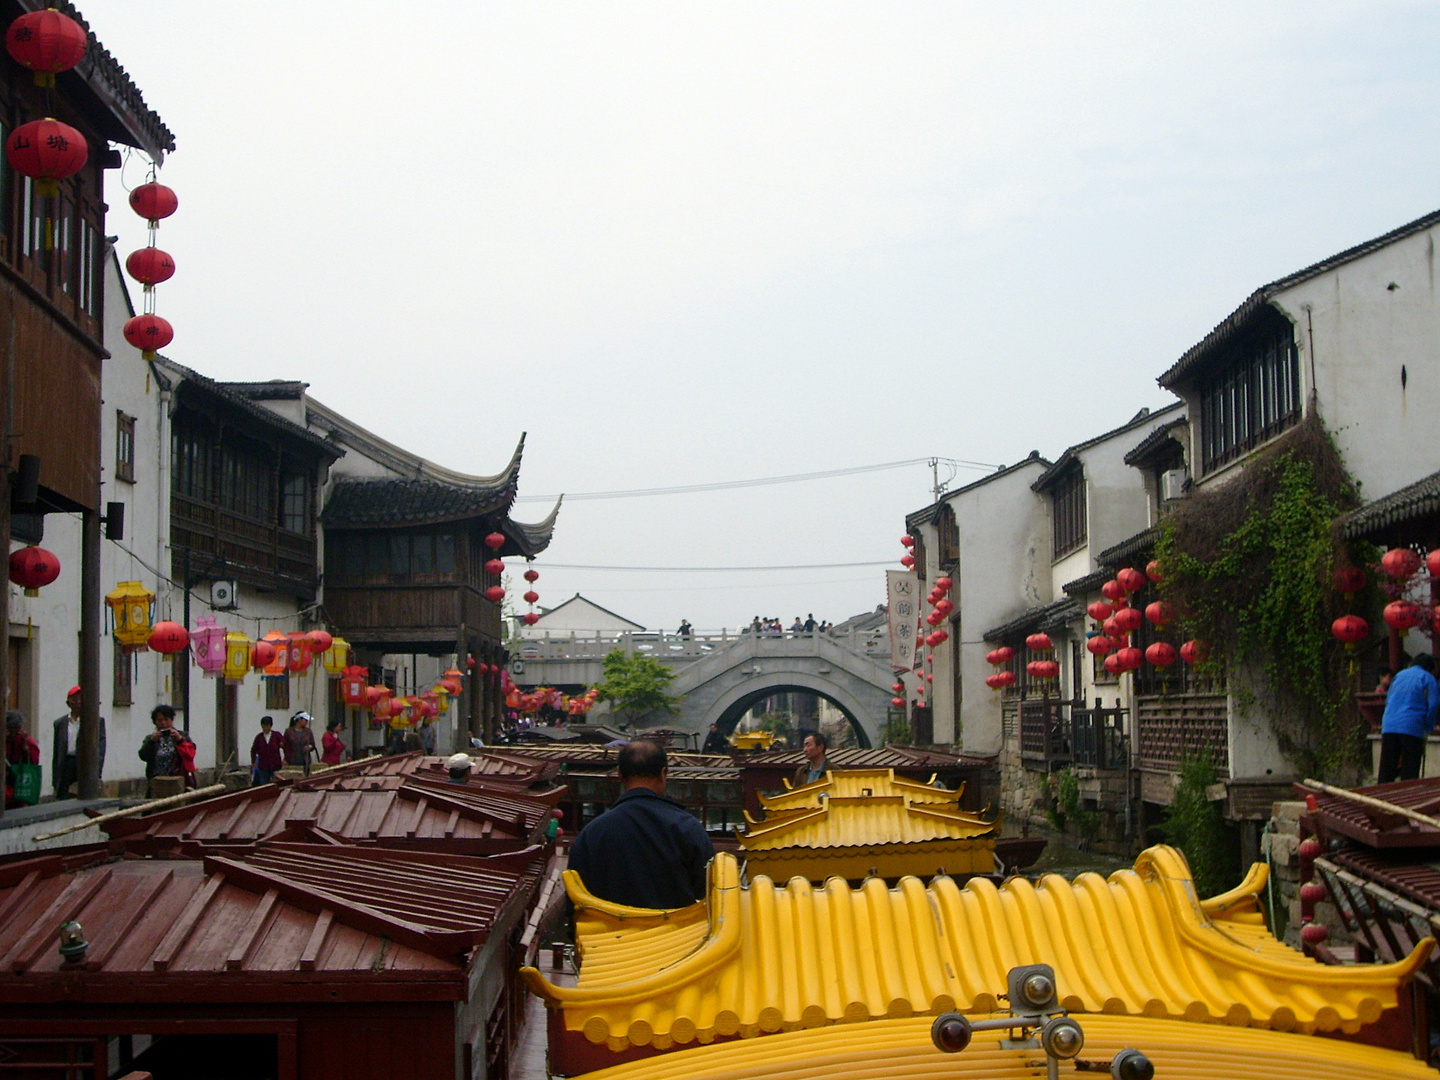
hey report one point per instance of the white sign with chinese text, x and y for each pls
(902, 598)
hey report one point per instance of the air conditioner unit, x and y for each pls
(1172, 484)
(224, 595)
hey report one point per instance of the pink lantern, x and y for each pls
(207, 645)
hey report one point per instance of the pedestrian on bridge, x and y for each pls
(715, 742)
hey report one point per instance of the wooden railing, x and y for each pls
(249, 547)
(411, 612)
(1173, 727)
(1097, 737)
(1045, 730)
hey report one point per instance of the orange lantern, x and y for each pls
(354, 682)
(301, 653)
(279, 661)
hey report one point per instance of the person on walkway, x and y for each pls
(20, 749)
(267, 753)
(645, 851)
(166, 750)
(333, 744)
(810, 623)
(686, 631)
(814, 748)
(459, 766)
(1411, 706)
(715, 742)
(299, 742)
(64, 760)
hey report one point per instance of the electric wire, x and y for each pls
(728, 485)
(711, 569)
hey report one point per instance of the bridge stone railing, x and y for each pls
(673, 648)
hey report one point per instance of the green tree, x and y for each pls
(635, 685)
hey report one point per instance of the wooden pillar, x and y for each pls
(88, 752)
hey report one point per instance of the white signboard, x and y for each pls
(902, 598)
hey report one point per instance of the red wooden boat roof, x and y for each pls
(284, 922)
(490, 768)
(1375, 828)
(386, 809)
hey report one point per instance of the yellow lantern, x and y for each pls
(336, 658)
(130, 606)
(237, 657)
(442, 698)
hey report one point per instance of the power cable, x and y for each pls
(710, 569)
(727, 485)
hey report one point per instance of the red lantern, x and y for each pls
(532, 575)
(46, 150)
(495, 541)
(1003, 655)
(907, 541)
(169, 637)
(898, 687)
(898, 702)
(1432, 563)
(46, 42)
(1194, 652)
(936, 637)
(148, 333)
(33, 568)
(1310, 849)
(1129, 658)
(1039, 643)
(320, 640)
(301, 653)
(936, 595)
(993, 681)
(1400, 563)
(929, 677)
(1100, 611)
(1099, 645)
(1312, 892)
(944, 583)
(907, 561)
(153, 201)
(1112, 664)
(262, 654)
(1351, 629)
(1313, 933)
(1161, 653)
(1403, 614)
(1111, 629)
(1152, 571)
(150, 266)
(1043, 669)
(376, 694)
(1130, 579)
(1349, 580)
(531, 596)
(1160, 613)
(1004, 678)
(353, 684)
(944, 607)
(495, 566)
(1113, 591)
(495, 593)
(1129, 619)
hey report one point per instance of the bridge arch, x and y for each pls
(730, 706)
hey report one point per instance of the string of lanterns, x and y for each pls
(46, 150)
(1402, 567)
(150, 266)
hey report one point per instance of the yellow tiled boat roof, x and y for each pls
(895, 1049)
(861, 808)
(763, 959)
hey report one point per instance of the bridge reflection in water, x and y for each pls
(722, 676)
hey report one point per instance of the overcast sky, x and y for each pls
(679, 243)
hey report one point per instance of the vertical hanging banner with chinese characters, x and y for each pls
(900, 595)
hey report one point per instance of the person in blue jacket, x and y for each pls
(1411, 706)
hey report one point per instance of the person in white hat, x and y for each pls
(459, 766)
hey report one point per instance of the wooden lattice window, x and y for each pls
(1068, 511)
(124, 447)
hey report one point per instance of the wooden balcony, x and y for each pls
(1173, 727)
(253, 552)
(1045, 732)
(416, 615)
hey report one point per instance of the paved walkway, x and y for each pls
(18, 826)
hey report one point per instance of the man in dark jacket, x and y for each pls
(64, 760)
(646, 851)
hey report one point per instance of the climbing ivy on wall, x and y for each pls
(1248, 564)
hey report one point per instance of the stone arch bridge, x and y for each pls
(721, 677)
